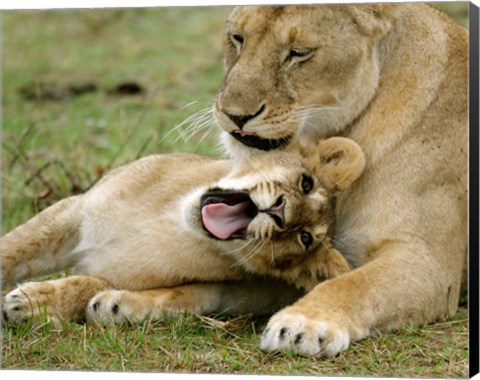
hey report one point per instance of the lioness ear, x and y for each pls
(342, 161)
(374, 20)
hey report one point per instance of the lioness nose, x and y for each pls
(241, 120)
(277, 211)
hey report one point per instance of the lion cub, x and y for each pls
(184, 232)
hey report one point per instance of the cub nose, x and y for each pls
(241, 120)
(277, 211)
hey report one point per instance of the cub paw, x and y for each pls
(303, 335)
(33, 299)
(110, 306)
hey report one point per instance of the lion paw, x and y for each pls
(33, 299)
(106, 307)
(116, 306)
(303, 335)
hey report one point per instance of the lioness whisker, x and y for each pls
(188, 105)
(206, 123)
(188, 120)
(195, 127)
(194, 123)
(208, 133)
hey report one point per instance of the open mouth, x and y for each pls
(226, 214)
(254, 141)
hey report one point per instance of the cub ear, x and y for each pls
(341, 162)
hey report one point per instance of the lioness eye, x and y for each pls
(300, 54)
(306, 239)
(306, 184)
(237, 39)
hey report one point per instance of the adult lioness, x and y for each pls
(393, 77)
(151, 227)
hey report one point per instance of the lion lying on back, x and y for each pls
(184, 232)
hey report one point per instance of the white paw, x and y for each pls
(25, 302)
(107, 307)
(304, 336)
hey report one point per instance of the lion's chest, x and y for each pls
(353, 228)
(350, 242)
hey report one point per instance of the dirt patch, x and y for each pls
(127, 88)
(44, 91)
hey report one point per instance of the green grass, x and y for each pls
(205, 345)
(60, 147)
(53, 148)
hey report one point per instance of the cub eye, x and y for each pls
(306, 184)
(299, 54)
(306, 238)
(237, 39)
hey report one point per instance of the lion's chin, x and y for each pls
(236, 149)
(254, 141)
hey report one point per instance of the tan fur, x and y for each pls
(393, 77)
(136, 239)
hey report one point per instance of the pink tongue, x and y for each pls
(222, 220)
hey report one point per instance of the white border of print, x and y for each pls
(78, 4)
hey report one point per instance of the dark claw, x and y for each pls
(298, 338)
(5, 316)
(96, 305)
(283, 331)
(115, 309)
(320, 341)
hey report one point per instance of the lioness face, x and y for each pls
(295, 71)
(273, 210)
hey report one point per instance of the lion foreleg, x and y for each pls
(259, 296)
(54, 300)
(403, 285)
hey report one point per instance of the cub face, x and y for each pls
(297, 72)
(275, 210)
